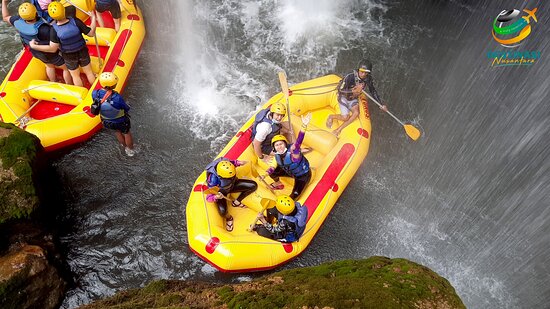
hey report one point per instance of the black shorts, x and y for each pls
(49, 58)
(78, 58)
(114, 8)
(123, 127)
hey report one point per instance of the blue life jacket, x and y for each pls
(70, 37)
(29, 32)
(41, 13)
(225, 184)
(104, 2)
(108, 111)
(292, 168)
(299, 220)
(262, 116)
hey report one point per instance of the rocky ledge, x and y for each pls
(376, 282)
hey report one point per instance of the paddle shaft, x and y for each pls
(380, 105)
(27, 111)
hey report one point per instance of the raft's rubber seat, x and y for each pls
(56, 92)
(105, 36)
(318, 139)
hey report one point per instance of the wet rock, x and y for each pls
(28, 280)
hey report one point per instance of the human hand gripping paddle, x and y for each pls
(411, 130)
(216, 191)
(284, 87)
(266, 203)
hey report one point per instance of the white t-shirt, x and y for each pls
(263, 129)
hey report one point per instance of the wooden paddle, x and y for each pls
(284, 87)
(216, 190)
(411, 130)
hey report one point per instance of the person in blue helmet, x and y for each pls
(290, 161)
(349, 90)
(290, 218)
(113, 111)
(108, 5)
(31, 28)
(221, 173)
(66, 35)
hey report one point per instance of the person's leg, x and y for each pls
(50, 72)
(245, 186)
(128, 140)
(75, 75)
(120, 138)
(66, 75)
(277, 184)
(115, 12)
(89, 74)
(299, 184)
(99, 19)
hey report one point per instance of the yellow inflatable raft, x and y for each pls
(334, 161)
(58, 114)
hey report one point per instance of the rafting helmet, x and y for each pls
(56, 10)
(278, 108)
(27, 11)
(108, 79)
(277, 138)
(285, 205)
(226, 169)
(365, 66)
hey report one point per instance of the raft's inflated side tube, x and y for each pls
(56, 92)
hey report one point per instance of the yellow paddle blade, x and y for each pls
(267, 203)
(412, 131)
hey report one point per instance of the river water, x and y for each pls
(469, 199)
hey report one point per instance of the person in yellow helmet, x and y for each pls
(290, 161)
(267, 124)
(291, 218)
(222, 173)
(112, 108)
(66, 35)
(32, 28)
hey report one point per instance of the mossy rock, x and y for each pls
(18, 149)
(376, 282)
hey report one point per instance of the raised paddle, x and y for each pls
(411, 130)
(284, 88)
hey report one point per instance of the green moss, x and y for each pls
(18, 197)
(376, 282)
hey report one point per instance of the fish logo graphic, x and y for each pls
(509, 28)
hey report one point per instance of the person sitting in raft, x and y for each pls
(349, 90)
(34, 29)
(221, 173)
(113, 111)
(266, 125)
(111, 6)
(66, 35)
(291, 218)
(290, 161)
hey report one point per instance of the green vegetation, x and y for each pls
(376, 282)
(18, 149)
